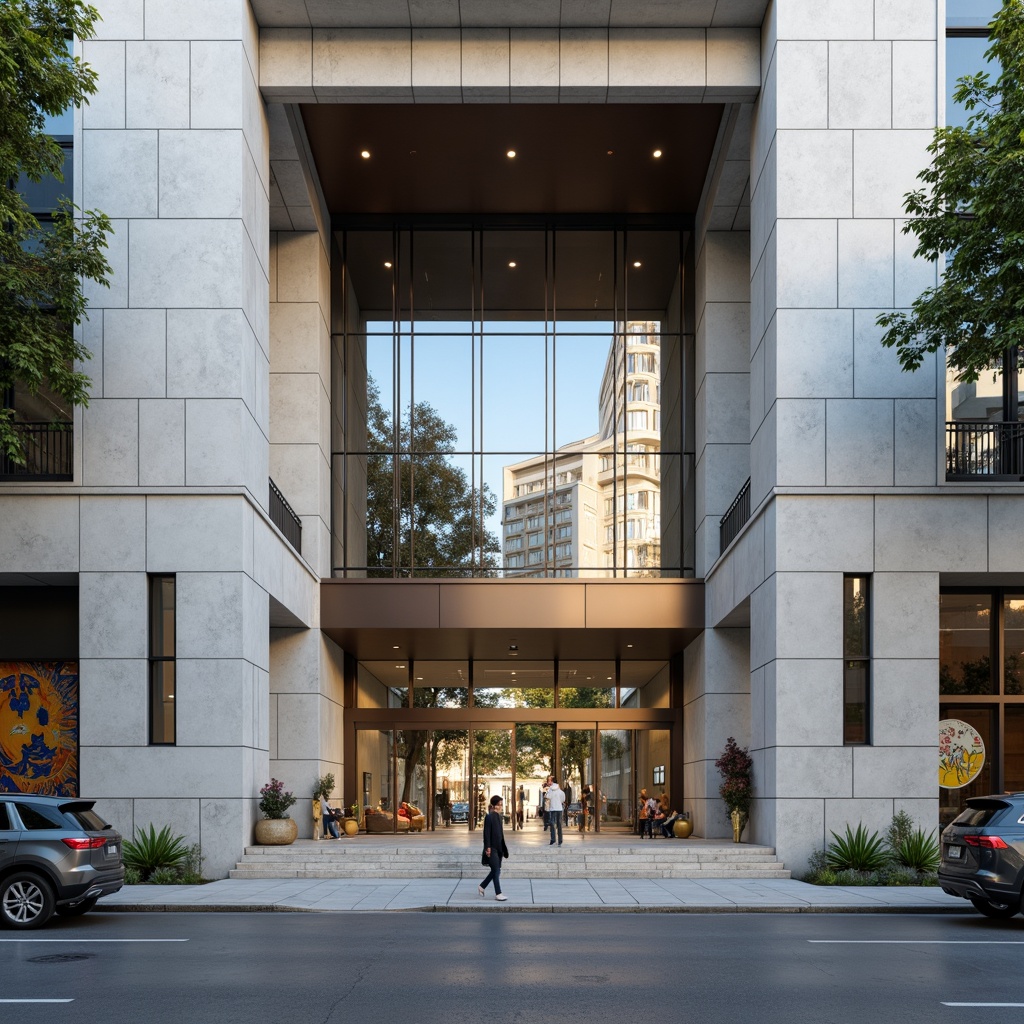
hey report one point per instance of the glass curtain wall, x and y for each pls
(512, 402)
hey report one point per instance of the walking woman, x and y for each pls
(494, 849)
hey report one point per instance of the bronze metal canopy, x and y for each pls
(429, 619)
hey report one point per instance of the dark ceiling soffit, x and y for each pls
(512, 221)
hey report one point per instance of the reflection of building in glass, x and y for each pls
(593, 507)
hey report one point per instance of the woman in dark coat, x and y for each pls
(495, 849)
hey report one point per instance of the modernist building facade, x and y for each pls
(303, 196)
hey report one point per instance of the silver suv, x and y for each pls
(56, 854)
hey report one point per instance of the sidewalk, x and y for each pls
(539, 895)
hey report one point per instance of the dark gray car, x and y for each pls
(983, 854)
(56, 855)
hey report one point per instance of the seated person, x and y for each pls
(403, 811)
(666, 825)
(656, 815)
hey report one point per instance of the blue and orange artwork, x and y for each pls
(39, 727)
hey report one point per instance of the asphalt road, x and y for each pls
(565, 968)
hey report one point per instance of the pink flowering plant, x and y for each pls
(736, 767)
(275, 800)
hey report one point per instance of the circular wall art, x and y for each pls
(961, 753)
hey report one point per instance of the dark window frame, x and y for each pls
(857, 667)
(157, 662)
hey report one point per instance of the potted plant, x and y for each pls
(352, 822)
(276, 828)
(737, 790)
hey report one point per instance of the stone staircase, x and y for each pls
(592, 858)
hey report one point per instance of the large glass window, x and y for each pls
(162, 660)
(857, 661)
(508, 380)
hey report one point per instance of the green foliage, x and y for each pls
(736, 768)
(275, 800)
(441, 515)
(324, 786)
(42, 271)
(165, 877)
(850, 876)
(147, 852)
(132, 876)
(896, 874)
(918, 851)
(857, 851)
(971, 211)
(901, 826)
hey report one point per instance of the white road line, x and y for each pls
(918, 942)
(36, 1000)
(983, 1004)
(93, 940)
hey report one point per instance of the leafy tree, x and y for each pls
(439, 512)
(42, 270)
(971, 210)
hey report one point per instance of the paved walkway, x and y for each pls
(534, 895)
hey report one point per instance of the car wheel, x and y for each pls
(26, 901)
(1000, 911)
(78, 909)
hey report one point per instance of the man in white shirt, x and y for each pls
(556, 805)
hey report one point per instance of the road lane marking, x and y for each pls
(36, 1000)
(918, 942)
(93, 940)
(983, 1004)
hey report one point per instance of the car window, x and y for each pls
(90, 821)
(977, 817)
(35, 818)
(5, 819)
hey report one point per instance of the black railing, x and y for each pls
(284, 518)
(48, 452)
(737, 514)
(978, 449)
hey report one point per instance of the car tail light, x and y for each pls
(986, 842)
(93, 843)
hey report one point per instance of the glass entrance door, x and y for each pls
(535, 760)
(614, 799)
(492, 775)
(576, 770)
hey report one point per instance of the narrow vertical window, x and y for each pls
(856, 661)
(161, 660)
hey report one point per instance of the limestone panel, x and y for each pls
(640, 63)
(158, 772)
(207, 353)
(39, 534)
(113, 702)
(877, 371)
(201, 173)
(886, 169)
(917, 437)
(215, 452)
(733, 62)
(815, 174)
(913, 275)
(209, 614)
(805, 706)
(913, 85)
(931, 534)
(583, 65)
(122, 19)
(113, 534)
(813, 353)
(891, 771)
(110, 443)
(821, 772)
(161, 443)
(802, 84)
(825, 19)
(795, 828)
(806, 263)
(120, 172)
(865, 262)
(1005, 522)
(226, 826)
(134, 353)
(106, 108)
(112, 615)
(198, 534)
(859, 449)
(905, 701)
(214, 19)
(367, 63)
(800, 442)
(286, 64)
(485, 65)
(807, 528)
(216, 82)
(199, 685)
(905, 19)
(436, 64)
(157, 84)
(809, 615)
(297, 718)
(534, 64)
(859, 85)
(116, 295)
(905, 619)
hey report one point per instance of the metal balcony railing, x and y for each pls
(982, 450)
(48, 450)
(284, 518)
(737, 514)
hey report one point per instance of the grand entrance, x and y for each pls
(435, 740)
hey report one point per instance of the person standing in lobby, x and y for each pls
(556, 805)
(495, 849)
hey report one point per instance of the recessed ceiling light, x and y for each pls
(657, 154)
(365, 154)
(387, 264)
(637, 263)
(629, 645)
(608, 677)
(511, 154)
(395, 648)
(512, 264)
(419, 679)
(399, 666)
(611, 152)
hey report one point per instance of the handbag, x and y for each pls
(484, 859)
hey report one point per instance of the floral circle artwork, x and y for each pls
(961, 753)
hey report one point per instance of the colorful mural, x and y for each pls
(961, 753)
(39, 727)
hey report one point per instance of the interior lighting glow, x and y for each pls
(657, 154)
(511, 154)
(637, 263)
(387, 264)
(512, 264)
(365, 154)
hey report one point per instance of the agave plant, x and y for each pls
(919, 850)
(859, 850)
(147, 852)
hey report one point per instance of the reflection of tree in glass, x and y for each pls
(440, 512)
(966, 678)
